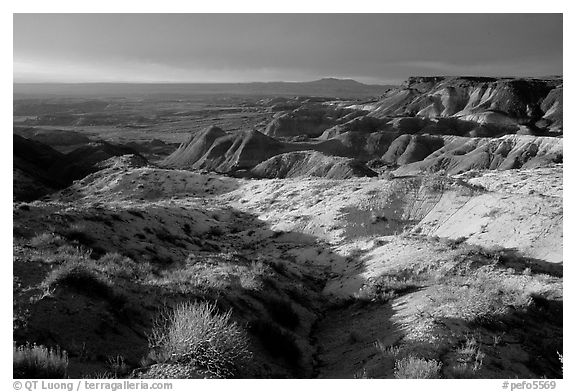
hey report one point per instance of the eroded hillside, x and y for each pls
(421, 229)
(371, 270)
(429, 124)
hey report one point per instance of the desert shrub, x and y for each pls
(387, 351)
(77, 233)
(117, 366)
(255, 276)
(470, 351)
(85, 280)
(65, 254)
(119, 266)
(32, 361)
(197, 333)
(470, 360)
(414, 367)
(46, 240)
(69, 253)
(385, 288)
(277, 342)
(483, 296)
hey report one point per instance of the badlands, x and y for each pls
(414, 234)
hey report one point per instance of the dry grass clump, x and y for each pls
(215, 273)
(46, 240)
(199, 335)
(469, 360)
(414, 367)
(80, 277)
(386, 287)
(51, 248)
(407, 361)
(33, 361)
(485, 294)
(118, 266)
(66, 254)
(78, 233)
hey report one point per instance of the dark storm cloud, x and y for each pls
(196, 47)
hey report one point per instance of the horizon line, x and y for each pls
(382, 83)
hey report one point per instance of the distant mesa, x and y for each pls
(327, 87)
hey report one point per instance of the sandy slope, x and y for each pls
(339, 236)
(339, 211)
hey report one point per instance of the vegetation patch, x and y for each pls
(33, 361)
(386, 287)
(78, 233)
(46, 240)
(85, 280)
(414, 367)
(199, 335)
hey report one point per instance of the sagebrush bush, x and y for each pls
(118, 266)
(67, 254)
(33, 361)
(198, 334)
(483, 295)
(470, 360)
(78, 233)
(414, 367)
(46, 240)
(82, 278)
(385, 288)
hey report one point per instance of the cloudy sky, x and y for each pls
(372, 48)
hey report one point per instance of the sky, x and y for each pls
(371, 48)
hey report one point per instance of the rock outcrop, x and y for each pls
(40, 170)
(461, 154)
(503, 102)
(311, 164)
(215, 150)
